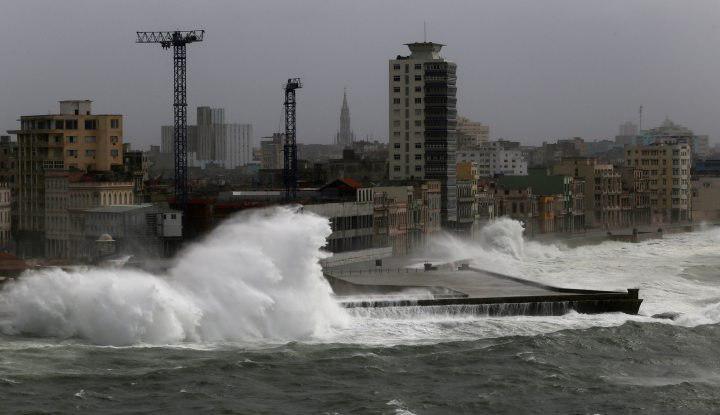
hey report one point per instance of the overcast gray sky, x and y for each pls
(533, 70)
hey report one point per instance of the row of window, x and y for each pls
(417, 145)
(91, 153)
(398, 101)
(417, 168)
(407, 89)
(417, 156)
(90, 124)
(397, 67)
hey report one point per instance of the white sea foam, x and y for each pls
(256, 278)
(678, 274)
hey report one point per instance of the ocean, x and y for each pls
(244, 323)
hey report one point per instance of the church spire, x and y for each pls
(345, 136)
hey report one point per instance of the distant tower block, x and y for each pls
(345, 137)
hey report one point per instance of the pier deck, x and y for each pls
(471, 286)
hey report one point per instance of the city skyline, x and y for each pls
(520, 72)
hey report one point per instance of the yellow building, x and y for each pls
(75, 139)
(667, 168)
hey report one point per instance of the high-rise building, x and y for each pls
(74, 140)
(212, 141)
(422, 121)
(345, 136)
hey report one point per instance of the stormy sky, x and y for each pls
(533, 70)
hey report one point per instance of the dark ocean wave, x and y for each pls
(633, 368)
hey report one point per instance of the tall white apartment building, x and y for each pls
(422, 121)
(214, 141)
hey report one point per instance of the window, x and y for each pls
(418, 77)
(72, 153)
(114, 123)
(418, 66)
(418, 168)
(396, 78)
(71, 139)
(114, 139)
(90, 139)
(91, 124)
(396, 89)
(418, 145)
(396, 156)
(418, 123)
(396, 100)
(89, 153)
(418, 89)
(71, 124)
(114, 152)
(396, 66)
(396, 168)
(397, 145)
(418, 100)
(59, 124)
(418, 156)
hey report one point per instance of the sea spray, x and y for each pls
(256, 278)
(499, 246)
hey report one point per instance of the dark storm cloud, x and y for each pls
(532, 69)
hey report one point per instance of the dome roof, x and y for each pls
(105, 238)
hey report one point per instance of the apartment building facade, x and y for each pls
(422, 121)
(494, 159)
(75, 139)
(213, 141)
(6, 239)
(68, 193)
(603, 188)
(471, 133)
(667, 168)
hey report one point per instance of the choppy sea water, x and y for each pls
(390, 361)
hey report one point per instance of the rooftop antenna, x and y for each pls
(640, 122)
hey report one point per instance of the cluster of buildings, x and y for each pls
(72, 190)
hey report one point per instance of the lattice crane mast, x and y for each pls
(290, 165)
(177, 40)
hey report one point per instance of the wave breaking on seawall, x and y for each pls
(255, 278)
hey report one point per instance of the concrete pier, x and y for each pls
(496, 294)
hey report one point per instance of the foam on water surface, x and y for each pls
(256, 280)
